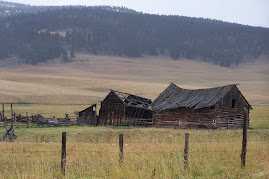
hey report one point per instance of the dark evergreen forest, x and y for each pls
(124, 32)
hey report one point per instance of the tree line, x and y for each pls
(123, 32)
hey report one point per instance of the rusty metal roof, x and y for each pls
(175, 97)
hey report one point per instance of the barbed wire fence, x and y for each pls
(63, 150)
(185, 152)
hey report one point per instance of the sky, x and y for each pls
(247, 12)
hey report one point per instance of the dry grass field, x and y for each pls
(93, 152)
(89, 79)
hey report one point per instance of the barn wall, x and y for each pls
(230, 118)
(88, 116)
(212, 118)
(111, 111)
(184, 118)
(114, 112)
(137, 116)
(233, 94)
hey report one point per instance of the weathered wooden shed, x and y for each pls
(120, 108)
(222, 107)
(88, 116)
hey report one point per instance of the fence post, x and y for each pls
(63, 158)
(3, 113)
(12, 114)
(186, 151)
(244, 142)
(121, 148)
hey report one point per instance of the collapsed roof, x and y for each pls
(133, 100)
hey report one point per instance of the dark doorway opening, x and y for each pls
(233, 103)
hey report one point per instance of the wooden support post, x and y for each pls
(10, 132)
(3, 114)
(117, 114)
(3, 110)
(28, 121)
(244, 142)
(63, 157)
(186, 151)
(121, 149)
(5, 125)
(134, 122)
(124, 115)
(12, 114)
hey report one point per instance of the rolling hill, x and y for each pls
(61, 32)
(89, 78)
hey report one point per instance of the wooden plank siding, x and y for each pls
(88, 116)
(211, 118)
(184, 118)
(233, 94)
(227, 113)
(111, 111)
(115, 112)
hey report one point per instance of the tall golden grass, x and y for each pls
(93, 152)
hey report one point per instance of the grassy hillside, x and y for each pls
(89, 79)
(57, 88)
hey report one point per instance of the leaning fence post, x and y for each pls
(63, 158)
(186, 151)
(121, 148)
(244, 142)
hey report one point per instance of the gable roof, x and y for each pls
(133, 100)
(175, 97)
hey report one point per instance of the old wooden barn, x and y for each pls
(120, 108)
(222, 107)
(88, 116)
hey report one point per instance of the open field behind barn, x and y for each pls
(93, 152)
(89, 78)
